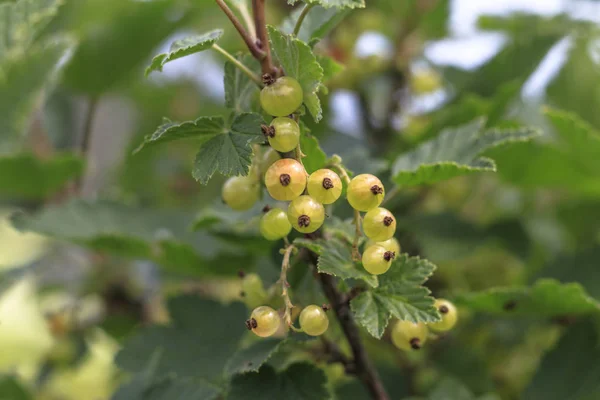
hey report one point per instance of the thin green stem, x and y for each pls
(285, 265)
(301, 17)
(238, 64)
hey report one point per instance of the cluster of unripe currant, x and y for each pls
(287, 180)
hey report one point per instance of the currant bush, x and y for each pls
(264, 321)
(449, 316)
(409, 336)
(282, 96)
(325, 186)
(285, 179)
(314, 320)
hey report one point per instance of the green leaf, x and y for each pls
(300, 381)
(453, 153)
(299, 62)
(571, 161)
(546, 298)
(160, 235)
(330, 67)
(252, 357)
(335, 258)
(316, 25)
(450, 389)
(24, 176)
(185, 47)
(241, 92)
(224, 148)
(399, 294)
(315, 158)
(23, 75)
(197, 343)
(570, 370)
(11, 389)
(23, 20)
(229, 153)
(333, 3)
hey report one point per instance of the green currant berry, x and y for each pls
(241, 192)
(269, 156)
(281, 97)
(379, 224)
(264, 321)
(325, 186)
(283, 134)
(274, 225)
(377, 260)
(449, 316)
(285, 179)
(365, 192)
(314, 320)
(253, 291)
(390, 245)
(409, 336)
(306, 214)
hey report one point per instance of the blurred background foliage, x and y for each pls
(99, 267)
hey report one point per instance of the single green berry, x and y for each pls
(365, 192)
(281, 97)
(325, 186)
(269, 156)
(379, 224)
(283, 134)
(314, 320)
(409, 336)
(253, 291)
(274, 225)
(390, 245)
(306, 214)
(377, 260)
(285, 179)
(241, 192)
(449, 316)
(264, 321)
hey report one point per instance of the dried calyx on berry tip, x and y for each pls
(389, 255)
(326, 307)
(241, 273)
(242, 294)
(303, 221)
(376, 189)
(285, 179)
(267, 130)
(444, 309)
(268, 79)
(251, 324)
(266, 208)
(387, 221)
(327, 183)
(415, 343)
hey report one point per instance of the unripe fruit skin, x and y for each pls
(254, 291)
(287, 134)
(448, 319)
(390, 245)
(360, 194)
(297, 182)
(306, 205)
(374, 262)
(405, 331)
(274, 225)
(267, 321)
(317, 189)
(240, 192)
(269, 157)
(314, 320)
(282, 98)
(374, 226)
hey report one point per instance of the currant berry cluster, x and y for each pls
(409, 336)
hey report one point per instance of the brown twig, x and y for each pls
(255, 50)
(363, 368)
(266, 62)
